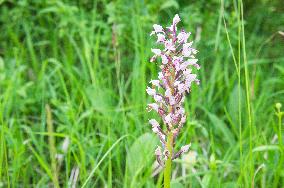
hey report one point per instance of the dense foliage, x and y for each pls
(73, 76)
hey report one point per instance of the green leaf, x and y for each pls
(233, 104)
(169, 4)
(206, 180)
(222, 128)
(266, 148)
(176, 185)
(141, 154)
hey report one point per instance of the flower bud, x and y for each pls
(278, 106)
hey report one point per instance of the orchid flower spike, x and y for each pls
(177, 57)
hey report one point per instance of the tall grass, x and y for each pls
(89, 62)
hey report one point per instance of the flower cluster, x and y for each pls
(174, 81)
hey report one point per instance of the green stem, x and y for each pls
(280, 130)
(168, 167)
(276, 181)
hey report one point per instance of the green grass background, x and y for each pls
(78, 70)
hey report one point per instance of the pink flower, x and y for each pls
(158, 98)
(157, 29)
(176, 83)
(161, 38)
(162, 78)
(182, 37)
(184, 65)
(176, 19)
(185, 148)
(156, 51)
(155, 130)
(190, 77)
(168, 119)
(158, 151)
(186, 49)
(160, 75)
(151, 91)
(181, 88)
(153, 106)
(187, 72)
(173, 83)
(154, 123)
(183, 120)
(177, 59)
(168, 92)
(172, 100)
(181, 111)
(176, 62)
(155, 83)
(169, 45)
(164, 59)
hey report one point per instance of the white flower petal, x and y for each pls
(183, 36)
(154, 106)
(161, 38)
(158, 98)
(183, 119)
(158, 151)
(155, 82)
(150, 91)
(169, 45)
(156, 51)
(176, 19)
(158, 28)
(185, 148)
(164, 59)
(154, 123)
(168, 118)
(172, 100)
(168, 92)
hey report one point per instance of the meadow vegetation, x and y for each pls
(73, 76)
